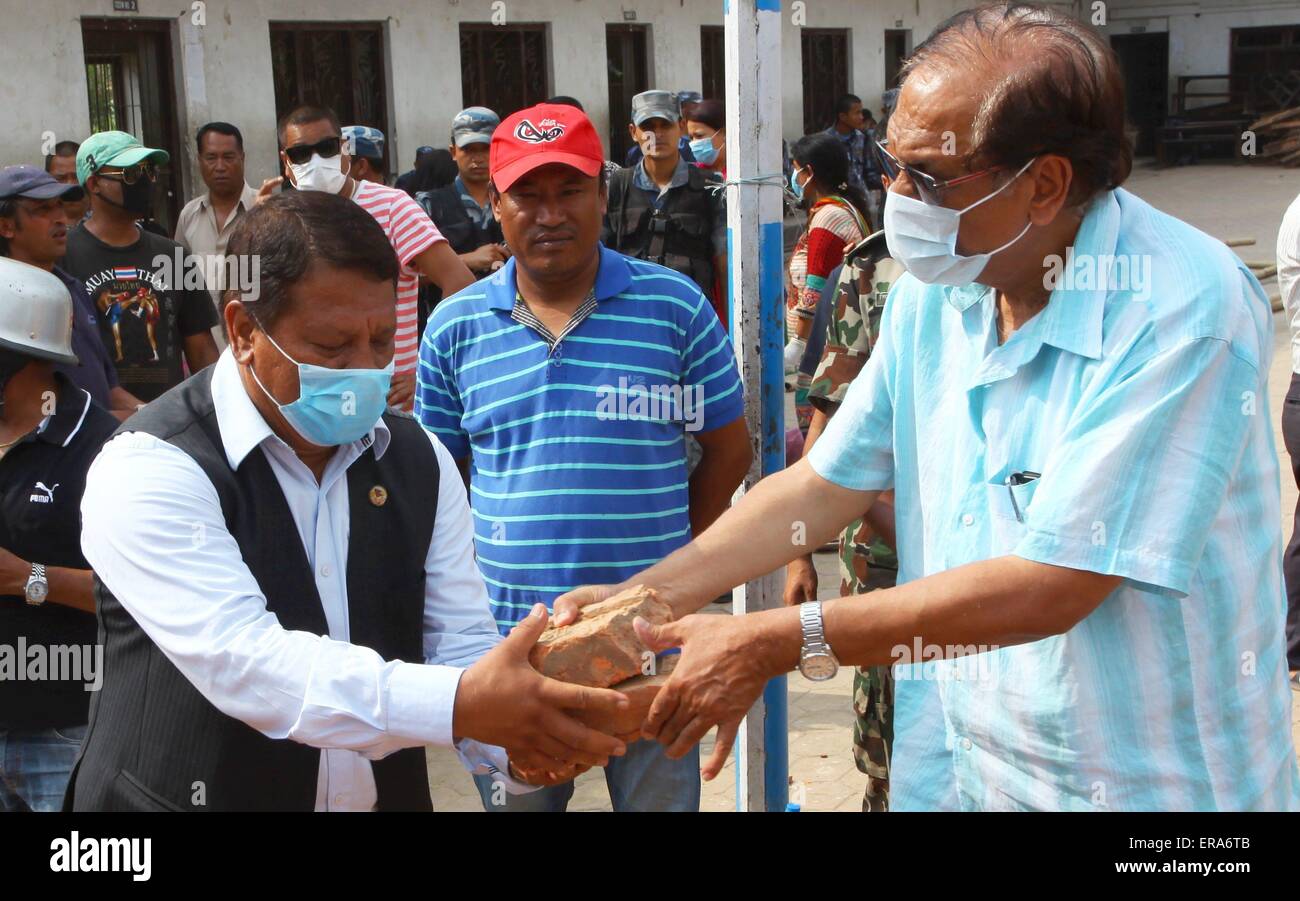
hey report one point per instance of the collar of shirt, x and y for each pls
(243, 428)
(521, 312)
(484, 211)
(612, 278)
(247, 199)
(641, 178)
(70, 412)
(1072, 319)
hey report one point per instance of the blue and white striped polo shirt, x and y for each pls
(578, 456)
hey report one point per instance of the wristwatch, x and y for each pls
(816, 659)
(37, 585)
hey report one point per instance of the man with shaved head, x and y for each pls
(1068, 398)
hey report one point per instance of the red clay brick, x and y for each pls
(601, 649)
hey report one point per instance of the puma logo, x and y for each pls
(47, 497)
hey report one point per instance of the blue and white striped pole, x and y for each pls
(755, 308)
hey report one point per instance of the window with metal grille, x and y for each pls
(503, 67)
(825, 75)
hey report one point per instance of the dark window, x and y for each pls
(128, 64)
(335, 64)
(625, 56)
(503, 67)
(898, 46)
(825, 75)
(1264, 66)
(713, 66)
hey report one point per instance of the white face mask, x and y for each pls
(320, 174)
(924, 238)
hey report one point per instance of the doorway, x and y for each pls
(130, 87)
(629, 75)
(1144, 61)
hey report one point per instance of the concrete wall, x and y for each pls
(1199, 32)
(223, 59)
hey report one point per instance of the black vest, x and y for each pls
(447, 211)
(153, 736)
(679, 236)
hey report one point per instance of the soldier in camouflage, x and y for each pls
(866, 562)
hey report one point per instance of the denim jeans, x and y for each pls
(641, 780)
(35, 766)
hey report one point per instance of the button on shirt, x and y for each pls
(1143, 405)
(578, 453)
(200, 604)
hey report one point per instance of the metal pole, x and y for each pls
(755, 309)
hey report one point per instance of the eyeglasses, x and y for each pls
(301, 153)
(930, 189)
(132, 174)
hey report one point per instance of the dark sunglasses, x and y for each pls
(132, 174)
(301, 153)
(930, 189)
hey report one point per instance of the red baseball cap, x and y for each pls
(541, 134)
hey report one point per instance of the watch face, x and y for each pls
(36, 590)
(818, 667)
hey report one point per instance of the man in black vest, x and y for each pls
(289, 606)
(664, 209)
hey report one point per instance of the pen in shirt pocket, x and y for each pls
(1014, 480)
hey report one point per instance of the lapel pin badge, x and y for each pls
(379, 495)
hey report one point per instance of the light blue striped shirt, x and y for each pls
(1143, 404)
(578, 471)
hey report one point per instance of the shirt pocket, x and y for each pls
(1008, 513)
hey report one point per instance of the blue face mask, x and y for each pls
(704, 151)
(334, 406)
(795, 187)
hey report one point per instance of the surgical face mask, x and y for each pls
(320, 173)
(795, 187)
(334, 406)
(924, 238)
(704, 151)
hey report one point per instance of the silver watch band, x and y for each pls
(810, 618)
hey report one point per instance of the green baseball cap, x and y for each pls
(114, 148)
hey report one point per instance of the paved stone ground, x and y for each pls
(1224, 201)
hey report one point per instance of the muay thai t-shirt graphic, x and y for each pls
(144, 310)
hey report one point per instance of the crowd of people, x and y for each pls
(308, 478)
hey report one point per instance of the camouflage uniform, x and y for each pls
(866, 562)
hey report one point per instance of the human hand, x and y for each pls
(502, 700)
(568, 606)
(800, 581)
(724, 664)
(268, 188)
(401, 390)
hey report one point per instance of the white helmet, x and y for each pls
(35, 313)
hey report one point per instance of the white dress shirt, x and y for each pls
(154, 532)
(1288, 275)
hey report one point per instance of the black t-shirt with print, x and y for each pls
(148, 300)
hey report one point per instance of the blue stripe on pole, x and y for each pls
(773, 6)
(771, 283)
(770, 280)
(776, 747)
(731, 255)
